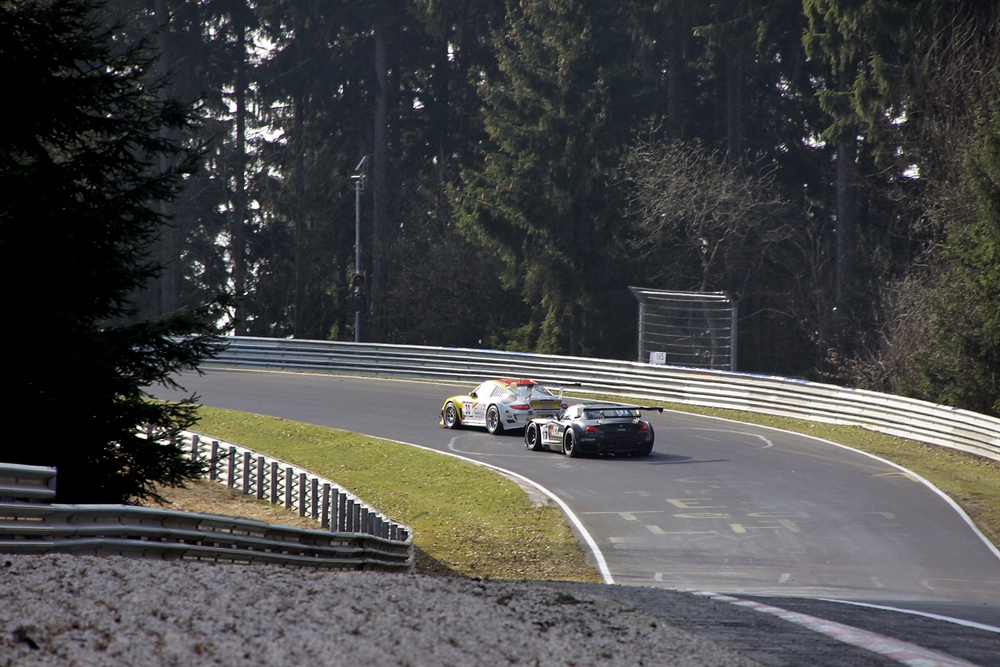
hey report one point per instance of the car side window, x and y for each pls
(498, 391)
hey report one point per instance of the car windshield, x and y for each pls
(529, 390)
(611, 413)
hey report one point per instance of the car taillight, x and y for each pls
(643, 427)
(520, 406)
(564, 406)
(594, 429)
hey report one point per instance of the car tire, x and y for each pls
(493, 424)
(645, 451)
(532, 437)
(569, 445)
(450, 417)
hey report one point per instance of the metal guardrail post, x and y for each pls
(274, 482)
(247, 468)
(303, 494)
(325, 523)
(314, 495)
(213, 469)
(231, 480)
(194, 448)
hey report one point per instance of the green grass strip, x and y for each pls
(466, 520)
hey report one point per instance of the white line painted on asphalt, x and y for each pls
(602, 564)
(937, 617)
(784, 577)
(944, 496)
(878, 584)
(900, 651)
(768, 443)
(923, 582)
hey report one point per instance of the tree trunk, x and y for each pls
(238, 218)
(298, 312)
(380, 182)
(846, 151)
(675, 35)
(166, 287)
(734, 139)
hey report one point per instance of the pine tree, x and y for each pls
(558, 113)
(81, 192)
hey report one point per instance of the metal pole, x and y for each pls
(359, 184)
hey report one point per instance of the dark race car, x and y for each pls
(594, 428)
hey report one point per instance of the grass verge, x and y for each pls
(971, 481)
(466, 520)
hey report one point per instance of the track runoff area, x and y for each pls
(763, 520)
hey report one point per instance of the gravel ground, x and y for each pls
(85, 610)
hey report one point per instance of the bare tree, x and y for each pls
(688, 204)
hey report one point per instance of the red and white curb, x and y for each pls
(900, 651)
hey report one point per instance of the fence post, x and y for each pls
(213, 471)
(246, 472)
(195, 441)
(325, 523)
(260, 478)
(303, 494)
(364, 522)
(274, 482)
(342, 514)
(315, 496)
(231, 482)
(289, 483)
(350, 516)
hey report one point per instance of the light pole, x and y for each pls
(358, 281)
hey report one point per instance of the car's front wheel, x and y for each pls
(569, 445)
(493, 424)
(532, 438)
(450, 416)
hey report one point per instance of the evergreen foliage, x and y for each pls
(829, 154)
(81, 191)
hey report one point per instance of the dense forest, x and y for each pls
(833, 165)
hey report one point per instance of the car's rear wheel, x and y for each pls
(450, 416)
(569, 445)
(532, 438)
(493, 424)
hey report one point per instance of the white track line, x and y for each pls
(944, 496)
(602, 564)
(936, 617)
(900, 651)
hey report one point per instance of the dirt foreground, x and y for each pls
(84, 610)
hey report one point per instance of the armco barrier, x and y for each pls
(37, 528)
(295, 488)
(357, 537)
(895, 415)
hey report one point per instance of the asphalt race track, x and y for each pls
(719, 506)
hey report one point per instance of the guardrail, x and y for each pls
(36, 528)
(895, 415)
(295, 488)
(28, 483)
(358, 536)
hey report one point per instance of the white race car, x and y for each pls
(500, 405)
